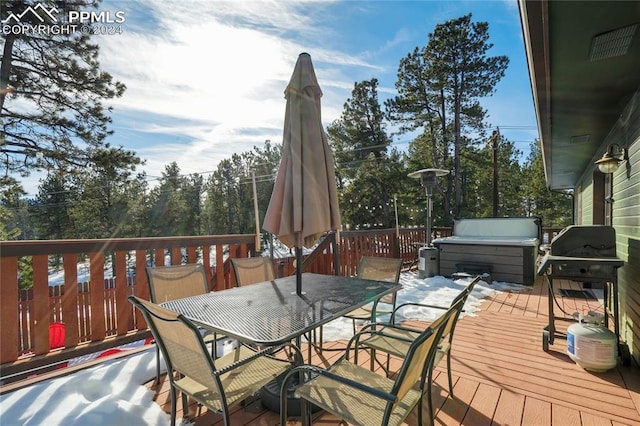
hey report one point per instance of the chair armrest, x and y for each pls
(421, 305)
(370, 329)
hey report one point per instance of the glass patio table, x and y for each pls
(271, 313)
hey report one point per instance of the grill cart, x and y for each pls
(585, 254)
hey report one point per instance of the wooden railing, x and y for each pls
(352, 245)
(102, 319)
(403, 243)
(93, 320)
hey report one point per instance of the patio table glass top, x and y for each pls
(271, 313)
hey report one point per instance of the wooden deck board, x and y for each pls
(501, 374)
(561, 415)
(455, 409)
(509, 408)
(483, 405)
(589, 419)
(536, 412)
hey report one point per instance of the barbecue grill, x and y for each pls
(586, 254)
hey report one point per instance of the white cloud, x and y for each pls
(223, 68)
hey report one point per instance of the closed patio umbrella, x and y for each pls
(304, 202)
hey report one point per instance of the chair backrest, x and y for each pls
(419, 358)
(175, 282)
(251, 270)
(180, 342)
(462, 297)
(381, 269)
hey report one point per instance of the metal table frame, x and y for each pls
(271, 313)
(611, 286)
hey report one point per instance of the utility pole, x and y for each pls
(494, 146)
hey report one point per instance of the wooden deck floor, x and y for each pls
(501, 374)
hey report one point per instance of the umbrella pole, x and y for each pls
(298, 271)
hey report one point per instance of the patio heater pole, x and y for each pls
(428, 179)
(428, 257)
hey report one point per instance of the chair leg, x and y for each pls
(214, 346)
(157, 382)
(283, 411)
(388, 364)
(173, 394)
(227, 419)
(372, 360)
(313, 338)
(429, 385)
(185, 405)
(305, 412)
(449, 374)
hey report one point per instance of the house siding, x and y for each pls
(587, 203)
(626, 219)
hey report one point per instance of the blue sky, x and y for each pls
(206, 79)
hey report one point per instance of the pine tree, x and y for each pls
(51, 93)
(169, 208)
(554, 208)
(360, 131)
(439, 87)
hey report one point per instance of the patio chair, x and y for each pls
(217, 384)
(379, 269)
(251, 270)
(373, 268)
(363, 397)
(175, 282)
(406, 335)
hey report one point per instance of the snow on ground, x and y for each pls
(113, 393)
(438, 291)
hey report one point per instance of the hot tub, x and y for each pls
(506, 248)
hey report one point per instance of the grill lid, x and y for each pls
(583, 253)
(585, 241)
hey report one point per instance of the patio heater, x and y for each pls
(428, 261)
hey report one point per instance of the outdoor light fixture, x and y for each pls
(612, 158)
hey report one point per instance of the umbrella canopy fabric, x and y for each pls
(304, 201)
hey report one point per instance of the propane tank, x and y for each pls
(591, 345)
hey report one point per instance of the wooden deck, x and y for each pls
(501, 374)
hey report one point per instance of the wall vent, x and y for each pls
(612, 43)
